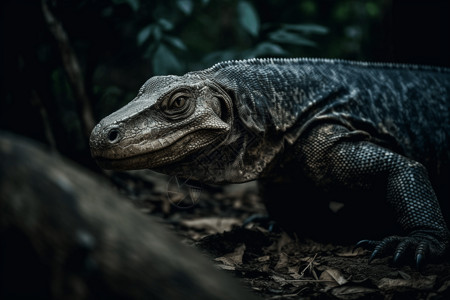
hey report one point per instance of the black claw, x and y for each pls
(365, 244)
(359, 245)
(419, 261)
(421, 251)
(271, 226)
(397, 257)
(401, 248)
(400, 252)
(255, 219)
(374, 254)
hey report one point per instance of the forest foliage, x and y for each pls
(118, 44)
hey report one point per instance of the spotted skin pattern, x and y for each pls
(356, 127)
(332, 155)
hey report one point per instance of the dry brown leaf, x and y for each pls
(211, 224)
(336, 206)
(272, 247)
(422, 283)
(225, 260)
(264, 268)
(293, 272)
(259, 228)
(234, 258)
(195, 235)
(263, 258)
(293, 269)
(226, 267)
(283, 241)
(332, 278)
(278, 279)
(283, 261)
(351, 292)
(309, 259)
(404, 275)
(444, 287)
(351, 253)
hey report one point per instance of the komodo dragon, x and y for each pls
(337, 129)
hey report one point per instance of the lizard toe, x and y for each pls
(366, 244)
(422, 246)
(421, 252)
(403, 247)
(420, 261)
(384, 247)
(406, 247)
(428, 246)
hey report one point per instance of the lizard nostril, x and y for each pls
(113, 135)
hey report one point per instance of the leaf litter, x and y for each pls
(274, 264)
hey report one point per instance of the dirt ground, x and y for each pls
(271, 263)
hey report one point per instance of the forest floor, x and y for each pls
(273, 264)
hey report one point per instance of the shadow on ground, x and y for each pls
(273, 264)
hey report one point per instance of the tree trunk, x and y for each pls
(65, 234)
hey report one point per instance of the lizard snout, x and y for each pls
(102, 137)
(113, 134)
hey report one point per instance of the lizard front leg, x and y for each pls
(332, 155)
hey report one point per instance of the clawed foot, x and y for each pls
(425, 246)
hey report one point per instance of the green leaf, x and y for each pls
(185, 6)
(218, 56)
(267, 49)
(149, 31)
(175, 42)
(157, 33)
(372, 9)
(165, 24)
(144, 34)
(164, 61)
(148, 54)
(248, 18)
(134, 4)
(306, 28)
(285, 37)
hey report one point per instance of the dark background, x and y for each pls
(118, 44)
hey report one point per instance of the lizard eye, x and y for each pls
(178, 102)
(179, 105)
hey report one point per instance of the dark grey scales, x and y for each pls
(370, 135)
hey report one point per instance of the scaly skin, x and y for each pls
(352, 127)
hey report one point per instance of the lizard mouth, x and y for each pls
(160, 157)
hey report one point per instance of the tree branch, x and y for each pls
(72, 69)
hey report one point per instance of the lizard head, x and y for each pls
(171, 118)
